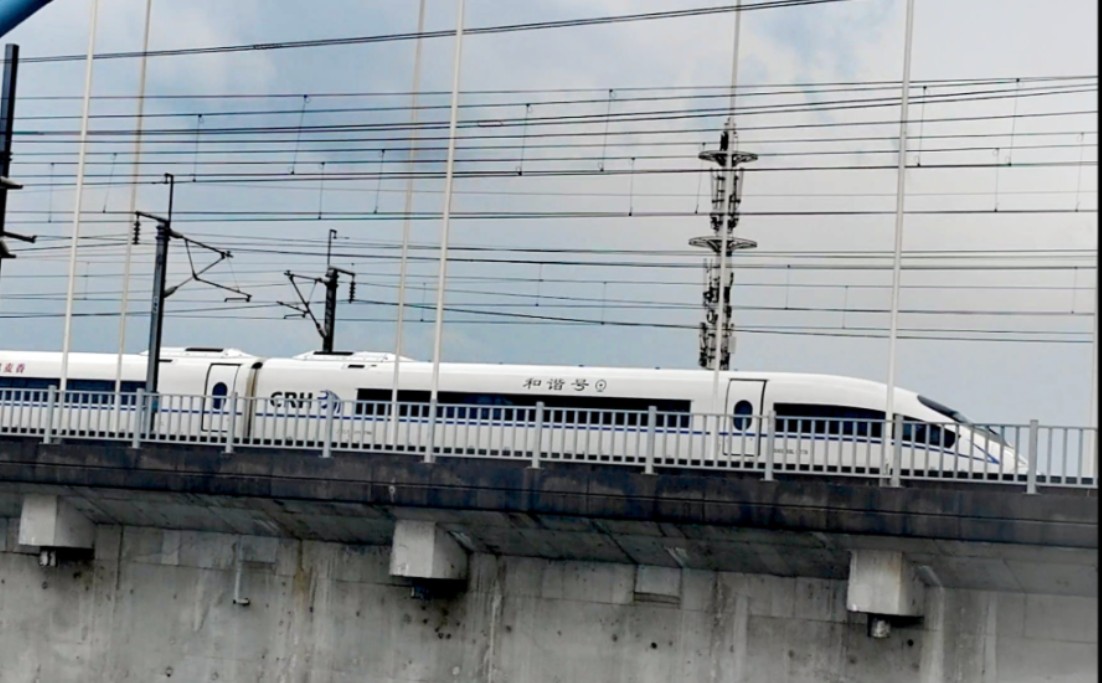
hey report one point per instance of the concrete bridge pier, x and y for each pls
(157, 604)
(884, 585)
(53, 525)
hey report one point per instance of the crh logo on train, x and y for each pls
(300, 400)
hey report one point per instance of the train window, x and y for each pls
(476, 406)
(810, 418)
(100, 391)
(129, 391)
(743, 412)
(982, 432)
(376, 403)
(218, 395)
(564, 409)
(605, 410)
(80, 391)
(954, 415)
(25, 388)
(925, 434)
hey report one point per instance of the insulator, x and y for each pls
(137, 231)
(351, 291)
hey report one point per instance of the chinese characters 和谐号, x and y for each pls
(561, 384)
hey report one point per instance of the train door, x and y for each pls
(221, 380)
(746, 408)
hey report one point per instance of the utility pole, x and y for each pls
(7, 125)
(165, 234)
(160, 273)
(331, 281)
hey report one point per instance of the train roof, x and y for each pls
(315, 360)
(682, 374)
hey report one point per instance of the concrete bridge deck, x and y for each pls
(575, 571)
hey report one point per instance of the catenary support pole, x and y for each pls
(332, 280)
(124, 300)
(157, 306)
(449, 179)
(900, 196)
(7, 126)
(67, 335)
(403, 262)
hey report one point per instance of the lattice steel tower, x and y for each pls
(726, 196)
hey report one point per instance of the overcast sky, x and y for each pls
(1003, 276)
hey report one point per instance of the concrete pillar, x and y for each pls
(423, 550)
(883, 582)
(48, 521)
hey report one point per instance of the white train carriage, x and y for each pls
(193, 381)
(482, 409)
(603, 414)
(195, 386)
(568, 413)
(839, 421)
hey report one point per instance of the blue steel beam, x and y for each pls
(13, 12)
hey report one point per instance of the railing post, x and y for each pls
(149, 415)
(51, 402)
(1093, 455)
(327, 446)
(713, 442)
(430, 445)
(1031, 455)
(769, 443)
(652, 423)
(231, 433)
(536, 449)
(139, 418)
(897, 449)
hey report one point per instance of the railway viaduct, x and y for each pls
(181, 562)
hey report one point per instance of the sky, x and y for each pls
(998, 279)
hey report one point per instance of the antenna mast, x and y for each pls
(716, 331)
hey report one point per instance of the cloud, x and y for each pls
(855, 41)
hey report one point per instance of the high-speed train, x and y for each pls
(208, 393)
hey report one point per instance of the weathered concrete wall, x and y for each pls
(158, 605)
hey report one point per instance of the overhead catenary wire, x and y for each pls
(501, 160)
(785, 87)
(1070, 86)
(681, 130)
(531, 319)
(213, 159)
(645, 116)
(443, 33)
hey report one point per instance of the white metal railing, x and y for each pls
(1032, 455)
